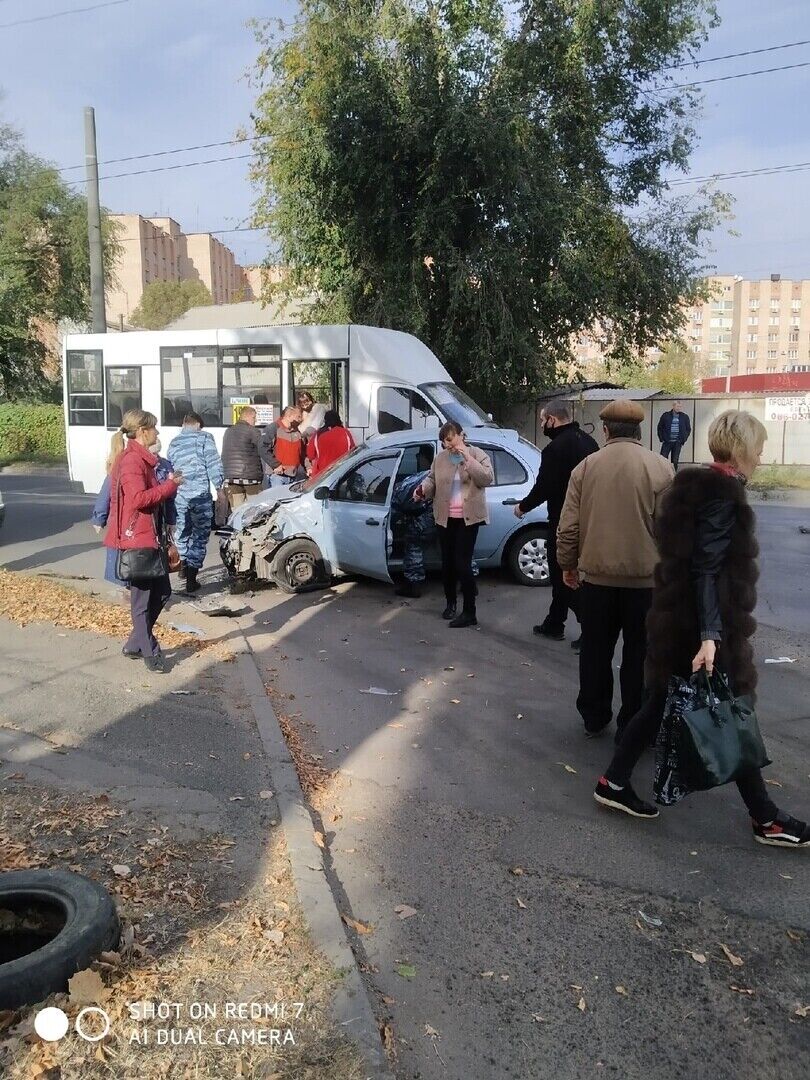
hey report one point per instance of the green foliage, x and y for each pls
(676, 371)
(163, 301)
(44, 262)
(486, 175)
(32, 432)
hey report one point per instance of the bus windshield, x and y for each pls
(456, 405)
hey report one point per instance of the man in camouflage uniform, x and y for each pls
(415, 520)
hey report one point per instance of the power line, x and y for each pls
(737, 55)
(169, 168)
(164, 153)
(728, 78)
(739, 174)
(62, 14)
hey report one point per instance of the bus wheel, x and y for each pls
(298, 567)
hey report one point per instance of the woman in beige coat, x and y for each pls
(457, 482)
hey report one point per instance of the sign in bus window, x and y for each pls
(85, 388)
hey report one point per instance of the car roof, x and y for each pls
(487, 435)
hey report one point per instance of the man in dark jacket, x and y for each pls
(567, 447)
(674, 428)
(243, 458)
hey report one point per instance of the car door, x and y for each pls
(358, 515)
(509, 488)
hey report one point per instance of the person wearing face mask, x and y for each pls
(568, 445)
(456, 484)
(137, 520)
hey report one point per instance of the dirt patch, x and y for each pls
(189, 936)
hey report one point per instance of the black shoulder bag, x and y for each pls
(139, 564)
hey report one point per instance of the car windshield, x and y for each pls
(456, 405)
(322, 478)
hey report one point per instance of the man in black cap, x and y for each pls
(568, 445)
(606, 549)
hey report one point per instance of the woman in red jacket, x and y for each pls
(329, 444)
(136, 521)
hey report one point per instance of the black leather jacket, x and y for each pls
(714, 526)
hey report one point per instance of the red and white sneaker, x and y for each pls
(784, 831)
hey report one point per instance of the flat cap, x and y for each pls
(623, 411)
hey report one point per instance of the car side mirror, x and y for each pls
(321, 494)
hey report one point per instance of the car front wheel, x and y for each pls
(527, 558)
(298, 567)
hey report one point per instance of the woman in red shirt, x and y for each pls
(136, 521)
(329, 444)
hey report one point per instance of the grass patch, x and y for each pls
(186, 938)
(23, 458)
(774, 477)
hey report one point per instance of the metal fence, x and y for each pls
(788, 441)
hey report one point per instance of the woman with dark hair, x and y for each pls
(704, 598)
(329, 444)
(137, 520)
(458, 478)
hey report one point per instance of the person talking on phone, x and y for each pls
(457, 481)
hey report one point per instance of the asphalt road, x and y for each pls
(475, 766)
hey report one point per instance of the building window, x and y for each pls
(123, 393)
(795, 320)
(773, 338)
(770, 369)
(771, 354)
(796, 305)
(697, 315)
(750, 370)
(793, 337)
(85, 388)
(774, 305)
(751, 354)
(793, 354)
(753, 304)
(773, 320)
(753, 338)
(753, 320)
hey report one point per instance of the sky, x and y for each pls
(169, 73)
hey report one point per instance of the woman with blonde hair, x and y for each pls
(137, 523)
(702, 613)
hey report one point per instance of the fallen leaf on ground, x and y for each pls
(520, 903)
(318, 837)
(701, 959)
(568, 768)
(538, 1019)
(794, 935)
(236, 798)
(650, 920)
(404, 911)
(276, 936)
(787, 877)
(621, 990)
(454, 701)
(86, 988)
(487, 974)
(774, 783)
(121, 870)
(387, 1036)
(517, 871)
(431, 1032)
(360, 927)
(576, 986)
(389, 1000)
(396, 724)
(735, 961)
(266, 794)
(741, 990)
(449, 668)
(803, 1011)
(407, 971)
(581, 1004)
(519, 716)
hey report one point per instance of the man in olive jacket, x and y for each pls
(606, 537)
(568, 446)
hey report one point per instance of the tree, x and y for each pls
(677, 370)
(487, 175)
(44, 263)
(163, 301)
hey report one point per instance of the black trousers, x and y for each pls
(673, 450)
(146, 600)
(563, 599)
(457, 542)
(640, 732)
(605, 612)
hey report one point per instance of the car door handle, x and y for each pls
(372, 521)
(510, 502)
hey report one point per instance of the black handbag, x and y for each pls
(714, 736)
(140, 564)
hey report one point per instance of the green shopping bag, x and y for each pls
(718, 739)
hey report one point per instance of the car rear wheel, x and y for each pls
(527, 558)
(298, 567)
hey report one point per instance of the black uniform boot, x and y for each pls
(409, 589)
(181, 570)
(192, 585)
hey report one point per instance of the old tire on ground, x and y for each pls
(297, 566)
(527, 558)
(90, 927)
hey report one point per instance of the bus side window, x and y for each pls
(85, 388)
(402, 409)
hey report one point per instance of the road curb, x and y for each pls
(351, 1007)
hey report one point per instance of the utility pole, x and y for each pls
(94, 225)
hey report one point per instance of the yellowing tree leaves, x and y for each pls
(86, 988)
(360, 927)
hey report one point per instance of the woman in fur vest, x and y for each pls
(705, 595)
